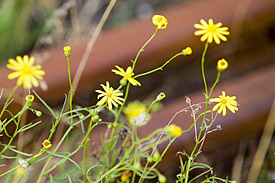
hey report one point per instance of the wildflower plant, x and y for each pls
(123, 156)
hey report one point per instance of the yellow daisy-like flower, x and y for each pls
(225, 102)
(174, 130)
(47, 144)
(126, 74)
(211, 31)
(24, 69)
(222, 65)
(109, 96)
(136, 113)
(159, 21)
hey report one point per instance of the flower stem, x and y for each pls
(8, 99)
(71, 88)
(202, 68)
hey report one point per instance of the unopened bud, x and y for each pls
(187, 51)
(67, 51)
(222, 65)
(160, 96)
(162, 178)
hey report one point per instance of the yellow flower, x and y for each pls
(126, 174)
(136, 113)
(222, 65)
(47, 144)
(187, 51)
(211, 31)
(109, 96)
(159, 21)
(25, 70)
(127, 75)
(225, 101)
(29, 98)
(67, 51)
(174, 130)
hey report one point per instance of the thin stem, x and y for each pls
(202, 68)
(84, 151)
(8, 99)
(159, 68)
(142, 49)
(71, 88)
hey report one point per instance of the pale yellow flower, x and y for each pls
(47, 144)
(211, 31)
(109, 96)
(25, 71)
(127, 75)
(174, 130)
(187, 51)
(136, 113)
(222, 65)
(159, 21)
(67, 51)
(29, 98)
(225, 102)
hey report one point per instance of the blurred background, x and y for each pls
(42, 28)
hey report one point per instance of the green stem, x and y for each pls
(84, 151)
(202, 68)
(142, 48)
(159, 68)
(8, 100)
(71, 88)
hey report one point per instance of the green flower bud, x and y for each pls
(137, 165)
(162, 178)
(67, 51)
(156, 155)
(95, 118)
(150, 159)
(110, 125)
(123, 81)
(115, 125)
(160, 96)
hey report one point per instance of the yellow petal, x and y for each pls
(216, 39)
(200, 32)
(14, 75)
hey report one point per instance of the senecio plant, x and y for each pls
(123, 155)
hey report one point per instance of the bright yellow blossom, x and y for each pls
(47, 144)
(25, 70)
(187, 51)
(136, 113)
(174, 130)
(126, 74)
(159, 21)
(109, 96)
(222, 65)
(29, 98)
(225, 101)
(67, 51)
(211, 31)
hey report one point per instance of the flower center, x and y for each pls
(212, 29)
(159, 19)
(128, 75)
(223, 101)
(109, 95)
(26, 70)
